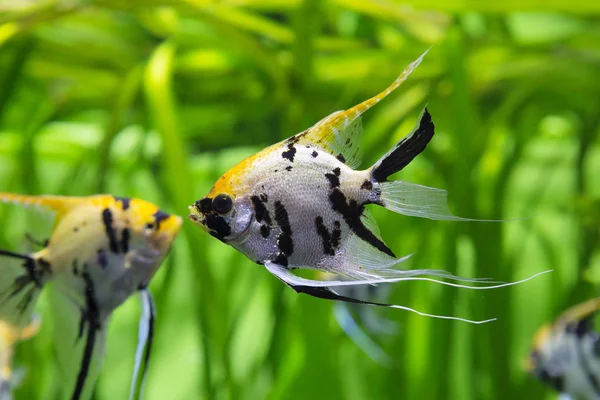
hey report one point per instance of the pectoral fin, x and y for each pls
(323, 289)
(95, 333)
(145, 339)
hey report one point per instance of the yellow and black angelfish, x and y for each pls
(102, 250)
(302, 203)
(566, 353)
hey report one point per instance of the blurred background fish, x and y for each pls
(10, 336)
(364, 325)
(566, 353)
(102, 250)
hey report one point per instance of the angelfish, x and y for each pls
(565, 354)
(301, 203)
(102, 250)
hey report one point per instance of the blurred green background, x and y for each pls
(156, 99)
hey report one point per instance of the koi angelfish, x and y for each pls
(102, 250)
(301, 203)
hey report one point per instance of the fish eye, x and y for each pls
(150, 226)
(222, 203)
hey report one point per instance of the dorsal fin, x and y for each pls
(339, 133)
(59, 204)
(580, 312)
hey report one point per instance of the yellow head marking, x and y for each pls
(147, 216)
(232, 182)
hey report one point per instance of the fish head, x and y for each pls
(225, 216)
(226, 211)
(153, 230)
(550, 356)
(534, 363)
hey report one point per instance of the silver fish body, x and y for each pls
(295, 215)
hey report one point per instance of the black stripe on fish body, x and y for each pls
(219, 228)
(124, 202)
(351, 211)
(314, 154)
(282, 218)
(101, 258)
(285, 242)
(264, 198)
(585, 325)
(290, 152)
(341, 158)
(159, 216)
(92, 317)
(125, 237)
(585, 364)
(334, 179)
(107, 219)
(331, 241)
(260, 211)
(288, 168)
(265, 231)
(367, 185)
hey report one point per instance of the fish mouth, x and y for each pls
(197, 217)
(216, 225)
(147, 257)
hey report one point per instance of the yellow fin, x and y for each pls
(339, 133)
(579, 311)
(59, 204)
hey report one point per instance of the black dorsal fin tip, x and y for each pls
(406, 150)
